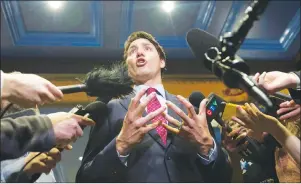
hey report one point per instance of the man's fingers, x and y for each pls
(241, 136)
(261, 79)
(47, 96)
(242, 115)
(237, 120)
(151, 126)
(83, 120)
(141, 107)
(55, 91)
(68, 147)
(287, 104)
(188, 105)
(284, 110)
(135, 101)
(235, 132)
(256, 77)
(150, 116)
(172, 129)
(295, 114)
(202, 107)
(179, 112)
(171, 120)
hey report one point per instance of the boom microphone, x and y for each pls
(105, 83)
(202, 43)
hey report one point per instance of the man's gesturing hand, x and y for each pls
(134, 125)
(195, 127)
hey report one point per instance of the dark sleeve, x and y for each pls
(219, 171)
(100, 162)
(30, 133)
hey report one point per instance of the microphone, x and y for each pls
(106, 83)
(231, 75)
(93, 110)
(231, 41)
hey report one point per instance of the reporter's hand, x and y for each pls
(134, 125)
(67, 128)
(275, 81)
(255, 120)
(231, 139)
(42, 163)
(291, 106)
(28, 90)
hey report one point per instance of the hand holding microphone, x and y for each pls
(28, 90)
(275, 81)
(67, 127)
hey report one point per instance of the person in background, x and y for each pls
(246, 169)
(259, 122)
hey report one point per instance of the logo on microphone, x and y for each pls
(209, 112)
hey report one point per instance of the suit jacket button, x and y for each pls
(168, 158)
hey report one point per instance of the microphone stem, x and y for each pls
(232, 41)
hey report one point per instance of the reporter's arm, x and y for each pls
(31, 133)
(288, 141)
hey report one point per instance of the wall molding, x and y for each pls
(22, 37)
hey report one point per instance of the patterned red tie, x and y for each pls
(153, 105)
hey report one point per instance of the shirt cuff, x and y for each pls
(211, 156)
(122, 158)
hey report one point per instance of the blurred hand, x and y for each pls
(255, 120)
(67, 127)
(28, 90)
(291, 106)
(232, 135)
(275, 81)
(42, 163)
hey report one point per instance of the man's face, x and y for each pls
(143, 60)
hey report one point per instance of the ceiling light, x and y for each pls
(168, 6)
(55, 4)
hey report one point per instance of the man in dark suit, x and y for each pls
(144, 150)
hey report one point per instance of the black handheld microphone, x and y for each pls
(93, 110)
(103, 82)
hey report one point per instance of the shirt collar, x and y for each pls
(158, 87)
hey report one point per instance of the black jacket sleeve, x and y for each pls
(30, 133)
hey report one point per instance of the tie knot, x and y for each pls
(150, 90)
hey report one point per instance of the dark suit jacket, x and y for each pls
(295, 94)
(149, 161)
(23, 134)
